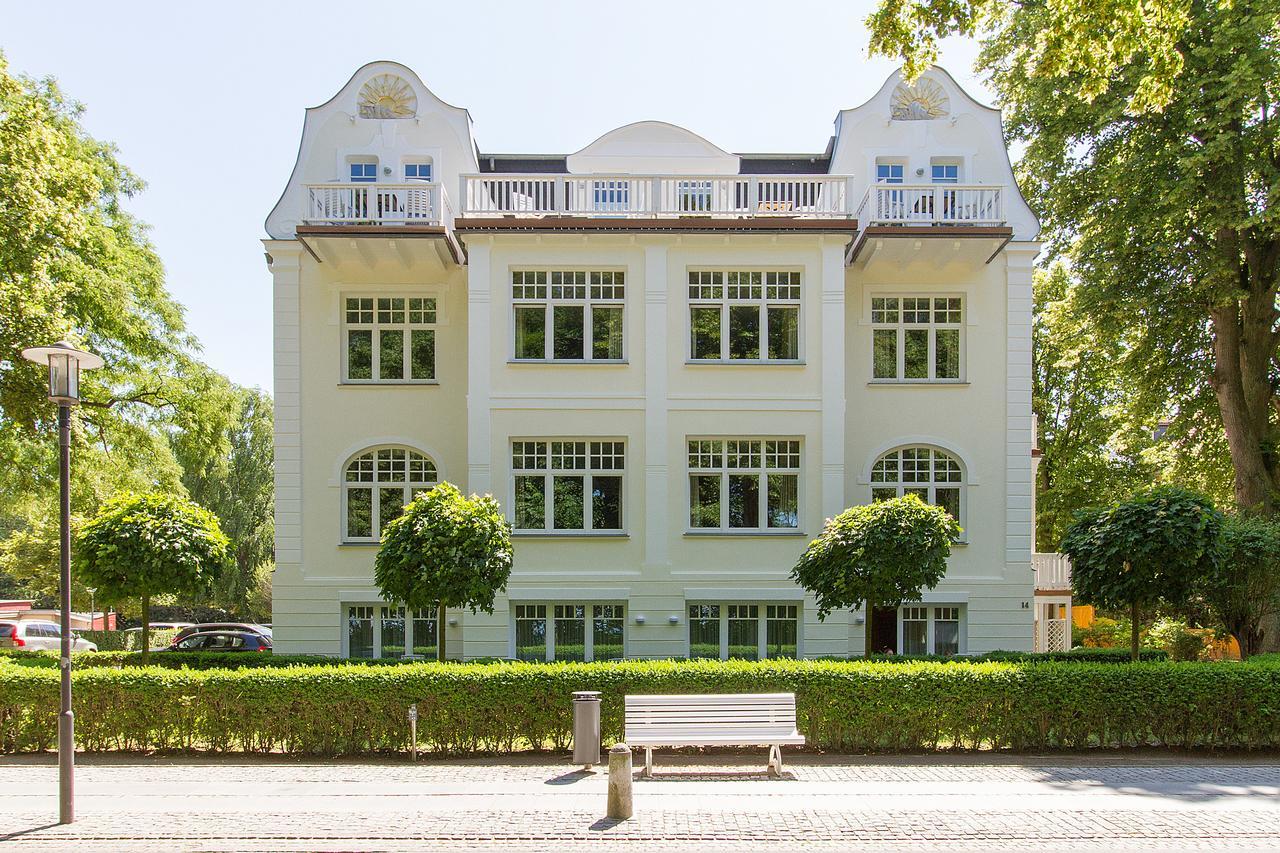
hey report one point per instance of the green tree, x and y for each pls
(882, 554)
(148, 544)
(1150, 548)
(445, 550)
(1244, 590)
(1151, 152)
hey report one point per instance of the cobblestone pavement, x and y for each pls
(694, 803)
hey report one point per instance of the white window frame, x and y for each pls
(376, 618)
(762, 625)
(724, 289)
(377, 484)
(599, 453)
(932, 611)
(418, 163)
(428, 306)
(695, 463)
(361, 160)
(600, 287)
(900, 486)
(589, 617)
(945, 163)
(900, 326)
(889, 163)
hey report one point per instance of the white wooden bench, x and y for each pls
(735, 719)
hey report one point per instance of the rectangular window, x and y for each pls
(704, 631)
(946, 173)
(360, 631)
(782, 628)
(946, 631)
(744, 631)
(568, 315)
(606, 632)
(417, 171)
(568, 485)
(363, 173)
(425, 633)
(744, 315)
(610, 196)
(916, 338)
(889, 173)
(744, 484)
(400, 330)
(571, 632)
(393, 635)
(915, 630)
(531, 632)
(693, 196)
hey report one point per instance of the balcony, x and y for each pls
(535, 196)
(414, 203)
(932, 204)
(1052, 572)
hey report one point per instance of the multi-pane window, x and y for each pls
(390, 339)
(575, 632)
(363, 173)
(916, 338)
(393, 634)
(945, 173)
(608, 196)
(568, 315)
(744, 484)
(743, 631)
(360, 631)
(417, 171)
(930, 630)
(934, 476)
(377, 486)
(693, 196)
(744, 316)
(568, 485)
(425, 633)
(889, 173)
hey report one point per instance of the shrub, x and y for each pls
(1104, 633)
(467, 708)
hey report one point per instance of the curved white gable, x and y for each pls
(653, 148)
(418, 125)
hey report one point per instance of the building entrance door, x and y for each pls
(884, 631)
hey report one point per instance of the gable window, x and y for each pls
(364, 172)
(574, 632)
(945, 173)
(376, 487)
(568, 315)
(569, 486)
(936, 477)
(930, 630)
(743, 631)
(744, 484)
(916, 338)
(889, 173)
(744, 316)
(390, 339)
(417, 171)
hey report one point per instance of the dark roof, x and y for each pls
(552, 163)
(800, 164)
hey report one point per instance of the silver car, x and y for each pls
(39, 636)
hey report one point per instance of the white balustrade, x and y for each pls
(932, 204)
(1052, 571)
(632, 196)
(412, 203)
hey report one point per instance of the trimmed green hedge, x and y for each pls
(467, 708)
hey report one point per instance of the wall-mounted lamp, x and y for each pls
(639, 618)
(673, 619)
(453, 623)
(920, 173)
(386, 170)
(859, 619)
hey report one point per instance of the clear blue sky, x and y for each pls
(205, 100)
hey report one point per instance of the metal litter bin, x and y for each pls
(586, 728)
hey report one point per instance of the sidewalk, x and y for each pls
(704, 803)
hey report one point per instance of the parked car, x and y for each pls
(204, 627)
(39, 636)
(221, 641)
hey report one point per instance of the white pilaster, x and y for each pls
(833, 385)
(657, 496)
(479, 368)
(286, 274)
(1019, 486)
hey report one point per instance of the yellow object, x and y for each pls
(1082, 615)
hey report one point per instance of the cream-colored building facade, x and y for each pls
(669, 363)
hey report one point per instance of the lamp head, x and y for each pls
(65, 363)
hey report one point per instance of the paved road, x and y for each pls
(705, 803)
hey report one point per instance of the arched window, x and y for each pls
(377, 485)
(932, 474)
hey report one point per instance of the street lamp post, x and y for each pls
(65, 363)
(92, 612)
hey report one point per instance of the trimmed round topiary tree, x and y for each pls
(151, 544)
(446, 550)
(883, 554)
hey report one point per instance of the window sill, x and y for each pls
(569, 534)
(743, 362)
(928, 383)
(359, 544)
(571, 362)
(390, 383)
(743, 534)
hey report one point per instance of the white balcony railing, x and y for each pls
(1052, 571)
(631, 196)
(413, 203)
(932, 204)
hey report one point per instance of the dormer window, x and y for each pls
(417, 171)
(364, 172)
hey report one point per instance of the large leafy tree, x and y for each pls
(143, 545)
(445, 550)
(878, 554)
(1151, 152)
(1244, 590)
(1151, 548)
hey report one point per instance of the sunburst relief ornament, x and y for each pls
(925, 100)
(387, 96)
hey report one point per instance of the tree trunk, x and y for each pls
(1133, 631)
(869, 636)
(440, 632)
(146, 628)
